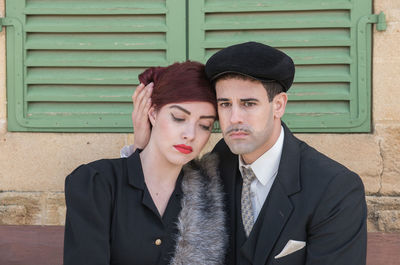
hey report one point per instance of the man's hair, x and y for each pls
(273, 88)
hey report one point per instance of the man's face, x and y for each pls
(249, 122)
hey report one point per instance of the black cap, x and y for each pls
(253, 59)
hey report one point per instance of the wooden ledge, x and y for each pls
(43, 245)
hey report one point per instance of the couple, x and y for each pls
(261, 197)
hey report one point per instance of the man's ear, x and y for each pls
(279, 104)
(152, 114)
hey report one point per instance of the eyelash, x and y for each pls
(204, 127)
(177, 119)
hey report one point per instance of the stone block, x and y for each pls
(12, 215)
(55, 208)
(389, 138)
(386, 63)
(2, 7)
(383, 213)
(389, 221)
(41, 161)
(20, 208)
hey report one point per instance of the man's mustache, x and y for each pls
(238, 128)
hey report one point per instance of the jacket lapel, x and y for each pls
(278, 204)
(277, 213)
(228, 168)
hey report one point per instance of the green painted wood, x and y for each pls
(97, 41)
(270, 5)
(331, 91)
(73, 65)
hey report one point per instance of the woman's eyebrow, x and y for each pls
(182, 109)
(188, 112)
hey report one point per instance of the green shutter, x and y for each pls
(72, 65)
(329, 41)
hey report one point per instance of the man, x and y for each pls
(287, 203)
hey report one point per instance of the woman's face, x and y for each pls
(180, 130)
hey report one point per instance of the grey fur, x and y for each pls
(202, 237)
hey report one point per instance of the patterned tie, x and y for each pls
(247, 208)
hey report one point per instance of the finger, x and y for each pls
(138, 89)
(143, 96)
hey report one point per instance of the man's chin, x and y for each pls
(239, 149)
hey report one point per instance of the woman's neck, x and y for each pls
(160, 176)
(156, 166)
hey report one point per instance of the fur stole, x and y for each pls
(202, 237)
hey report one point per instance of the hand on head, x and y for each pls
(141, 104)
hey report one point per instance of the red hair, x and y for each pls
(179, 82)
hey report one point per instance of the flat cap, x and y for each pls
(253, 59)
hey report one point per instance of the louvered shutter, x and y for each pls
(329, 41)
(72, 65)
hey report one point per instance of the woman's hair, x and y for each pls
(179, 82)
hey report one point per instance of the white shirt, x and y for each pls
(265, 168)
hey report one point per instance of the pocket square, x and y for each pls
(291, 246)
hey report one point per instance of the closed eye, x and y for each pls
(205, 127)
(177, 119)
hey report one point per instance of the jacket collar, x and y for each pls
(135, 171)
(289, 166)
(136, 177)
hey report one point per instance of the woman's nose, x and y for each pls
(189, 133)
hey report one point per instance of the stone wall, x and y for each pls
(33, 166)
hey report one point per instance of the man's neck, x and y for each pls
(249, 158)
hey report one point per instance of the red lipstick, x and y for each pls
(185, 149)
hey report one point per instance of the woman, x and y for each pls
(156, 206)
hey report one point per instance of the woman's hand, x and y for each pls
(141, 105)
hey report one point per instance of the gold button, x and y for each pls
(158, 242)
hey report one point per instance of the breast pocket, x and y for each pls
(294, 258)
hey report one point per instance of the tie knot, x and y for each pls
(248, 174)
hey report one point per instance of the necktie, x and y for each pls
(247, 208)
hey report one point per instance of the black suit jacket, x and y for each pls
(313, 199)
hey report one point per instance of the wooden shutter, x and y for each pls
(72, 65)
(329, 41)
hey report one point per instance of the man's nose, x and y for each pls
(236, 115)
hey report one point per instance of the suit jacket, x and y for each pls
(313, 199)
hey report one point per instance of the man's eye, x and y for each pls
(249, 104)
(177, 119)
(224, 104)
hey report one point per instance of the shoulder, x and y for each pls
(315, 169)
(314, 162)
(323, 177)
(99, 172)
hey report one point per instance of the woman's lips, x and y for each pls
(185, 149)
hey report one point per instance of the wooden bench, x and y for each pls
(43, 245)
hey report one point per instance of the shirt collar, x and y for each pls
(266, 166)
